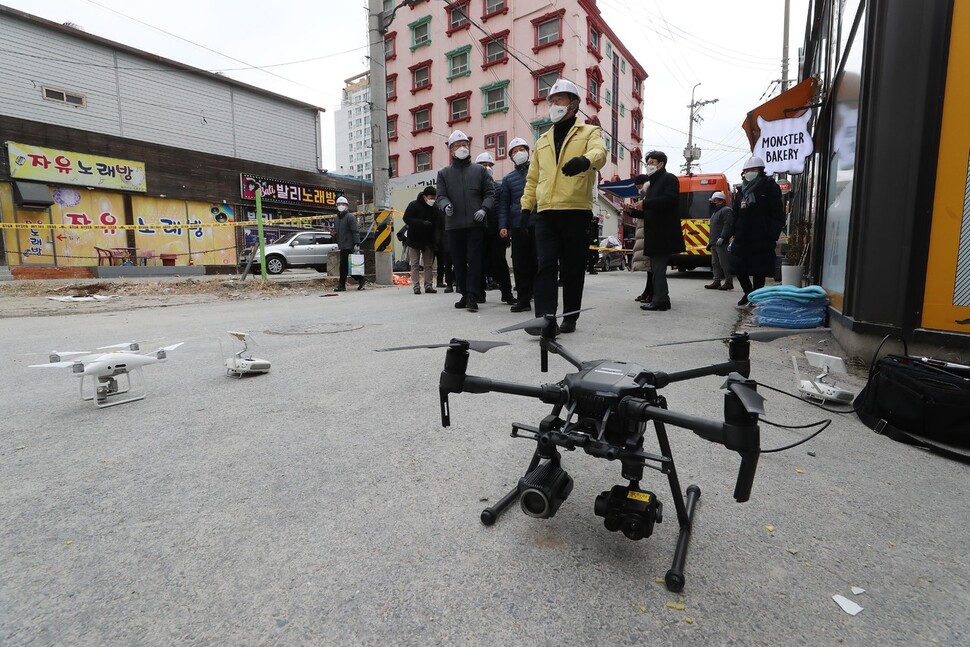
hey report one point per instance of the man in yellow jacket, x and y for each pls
(559, 196)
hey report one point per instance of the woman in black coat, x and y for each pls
(662, 237)
(759, 219)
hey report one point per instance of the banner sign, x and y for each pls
(286, 192)
(54, 166)
(784, 144)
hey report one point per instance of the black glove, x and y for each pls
(575, 166)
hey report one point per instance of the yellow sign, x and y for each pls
(638, 496)
(67, 167)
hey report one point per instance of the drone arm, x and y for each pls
(659, 379)
(555, 347)
(739, 432)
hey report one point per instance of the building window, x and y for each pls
(422, 118)
(420, 32)
(539, 127)
(60, 96)
(635, 126)
(637, 81)
(635, 156)
(495, 51)
(548, 33)
(391, 128)
(391, 86)
(495, 98)
(495, 142)
(622, 148)
(545, 77)
(420, 76)
(459, 62)
(494, 7)
(390, 46)
(622, 110)
(422, 159)
(609, 51)
(392, 166)
(457, 16)
(458, 107)
(593, 42)
(622, 66)
(608, 98)
(594, 81)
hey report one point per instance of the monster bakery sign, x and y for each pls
(784, 144)
(285, 192)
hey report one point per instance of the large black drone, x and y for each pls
(603, 409)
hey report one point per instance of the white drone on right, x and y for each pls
(822, 388)
(242, 362)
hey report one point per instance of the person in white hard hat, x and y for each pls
(722, 228)
(348, 241)
(495, 267)
(517, 227)
(559, 189)
(465, 193)
(759, 219)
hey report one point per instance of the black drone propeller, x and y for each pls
(756, 335)
(539, 322)
(470, 344)
(752, 401)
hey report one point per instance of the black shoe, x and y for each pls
(537, 331)
(417, 289)
(449, 289)
(743, 301)
(521, 307)
(509, 298)
(462, 302)
(646, 297)
(360, 286)
(656, 306)
(429, 290)
(339, 288)
(567, 326)
(591, 272)
(439, 284)
(480, 299)
(713, 286)
(727, 286)
(472, 306)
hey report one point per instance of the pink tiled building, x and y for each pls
(485, 67)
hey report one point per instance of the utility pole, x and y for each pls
(784, 49)
(693, 153)
(380, 155)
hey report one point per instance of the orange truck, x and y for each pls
(695, 198)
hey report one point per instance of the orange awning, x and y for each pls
(781, 107)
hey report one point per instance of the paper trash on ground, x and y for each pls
(92, 297)
(856, 590)
(847, 605)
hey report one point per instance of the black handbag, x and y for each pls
(918, 401)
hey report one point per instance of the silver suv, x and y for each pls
(299, 249)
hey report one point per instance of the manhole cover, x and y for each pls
(315, 329)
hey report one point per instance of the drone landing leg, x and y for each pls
(674, 578)
(490, 515)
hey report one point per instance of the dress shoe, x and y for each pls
(429, 290)
(449, 289)
(656, 306)
(743, 301)
(480, 299)
(521, 307)
(472, 306)
(360, 286)
(339, 288)
(727, 286)
(509, 298)
(567, 326)
(440, 284)
(537, 331)
(462, 302)
(713, 286)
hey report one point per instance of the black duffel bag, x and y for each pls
(919, 401)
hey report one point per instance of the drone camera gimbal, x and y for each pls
(603, 409)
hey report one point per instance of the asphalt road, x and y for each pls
(324, 504)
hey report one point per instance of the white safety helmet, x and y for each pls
(485, 158)
(753, 162)
(518, 141)
(456, 136)
(342, 200)
(718, 195)
(562, 85)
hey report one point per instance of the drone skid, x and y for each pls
(105, 389)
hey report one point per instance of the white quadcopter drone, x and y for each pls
(242, 362)
(106, 367)
(822, 388)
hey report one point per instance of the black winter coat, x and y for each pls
(756, 230)
(422, 222)
(661, 216)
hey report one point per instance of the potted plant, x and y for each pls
(796, 251)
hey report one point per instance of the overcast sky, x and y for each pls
(306, 48)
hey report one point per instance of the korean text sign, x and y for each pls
(81, 169)
(286, 192)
